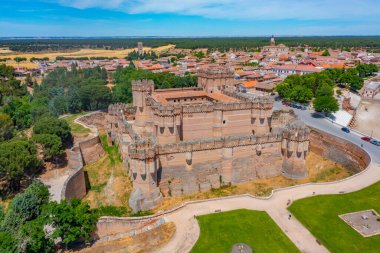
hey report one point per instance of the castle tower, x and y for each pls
(294, 148)
(215, 80)
(272, 41)
(140, 48)
(141, 89)
(144, 173)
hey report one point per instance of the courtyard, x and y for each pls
(321, 216)
(219, 233)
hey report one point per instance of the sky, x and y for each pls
(50, 18)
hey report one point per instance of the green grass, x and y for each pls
(112, 151)
(76, 128)
(320, 215)
(220, 231)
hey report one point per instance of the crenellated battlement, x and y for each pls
(214, 73)
(121, 108)
(143, 85)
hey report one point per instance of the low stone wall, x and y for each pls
(339, 150)
(113, 228)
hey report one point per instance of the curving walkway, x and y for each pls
(187, 229)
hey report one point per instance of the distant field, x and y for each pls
(220, 231)
(80, 53)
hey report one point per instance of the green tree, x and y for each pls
(95, 97)
(50, 125)
(33, 238)
(325, 90)
(6, 127)
(73, 221)
(326, 53)
(301, 94)
(8, 242)
(51, 144)
(17, 159)
(73, 100)
(19, 110)
(326, 104)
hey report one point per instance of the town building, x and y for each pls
(275, 49)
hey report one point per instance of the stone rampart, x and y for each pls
(339, 150)
(74, 186)
(91, 150)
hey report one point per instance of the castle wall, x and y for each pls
(184, 173)
(237, 122)
(91, 150)
(197, 125)
(75, 186)
(339, 150)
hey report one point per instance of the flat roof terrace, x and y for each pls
(190, 97)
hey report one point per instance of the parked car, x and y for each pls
(345, 129)
(375, 142)
(366, 138)
(286, 103)
(303, 107)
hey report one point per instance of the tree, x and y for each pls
(326, 53)
(28, 205)
(326, 104)
(25, 222)
(51, 144)
(33, 238)
(73, 221)
(50, 125)
(74, 103)
(95, 97)
(6, 127)
(8, 242)
(301, 94)
(17, 159)
(19, 110)
(325, 90)
(58, 105)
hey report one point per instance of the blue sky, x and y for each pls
(24, 18)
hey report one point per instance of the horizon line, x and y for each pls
(174, 36)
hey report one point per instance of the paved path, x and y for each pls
(187, 232)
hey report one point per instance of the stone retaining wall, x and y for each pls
(339, 150)
(113, 228)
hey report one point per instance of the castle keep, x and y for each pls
(181, 141)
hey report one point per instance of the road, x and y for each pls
(187, 232)
(329, 127)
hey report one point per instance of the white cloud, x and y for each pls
(243, 9)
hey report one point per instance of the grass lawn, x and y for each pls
(320, 215)
(76, 128)
(220, 231)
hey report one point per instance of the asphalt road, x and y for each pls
(331, 128)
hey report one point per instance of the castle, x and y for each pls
(181, 141)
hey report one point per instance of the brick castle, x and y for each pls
(181, 141)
